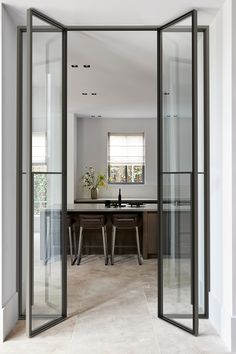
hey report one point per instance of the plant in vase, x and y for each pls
(93, 181)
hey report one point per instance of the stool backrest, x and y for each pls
(89, 221)
(69, 221)
(125, 220)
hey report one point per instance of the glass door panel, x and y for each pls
(46, 302)
(178, 271)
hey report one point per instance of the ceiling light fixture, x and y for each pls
(86, 66)
(94, 93)
(99, 116)
(74, 66)
(84, 93)
(92, 116)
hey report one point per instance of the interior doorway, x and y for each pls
(171, 177)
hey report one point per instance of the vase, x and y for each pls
(94, 193)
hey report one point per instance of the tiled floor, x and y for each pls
(112, 310)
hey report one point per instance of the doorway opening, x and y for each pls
(182, 143)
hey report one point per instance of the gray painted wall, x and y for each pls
(92, 151)
(9, 292)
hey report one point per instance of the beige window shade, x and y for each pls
(126, 149)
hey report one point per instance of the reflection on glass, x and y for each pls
(46, 100)
(47, 248)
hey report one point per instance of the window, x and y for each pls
(126, 158)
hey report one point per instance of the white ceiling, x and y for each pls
(115, 12)
(123, 64)
(122, 73)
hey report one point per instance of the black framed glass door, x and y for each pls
(46, 100)
(178, 180)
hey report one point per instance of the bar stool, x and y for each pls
(92, 222)
(70, 225)
(125, 221)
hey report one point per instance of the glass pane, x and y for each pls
(177, 261)
(201, 190)
(200, 82)
(24, 235)
(46, 285)
(177, 141)
(135, 174)
(201, 244)
(24, 202)
(117, 174)
(47, 100)
(177, 99)
(47, 260)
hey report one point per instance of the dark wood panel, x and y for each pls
(152, 242)
(176, 231)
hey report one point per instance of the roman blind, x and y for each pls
(126, 149)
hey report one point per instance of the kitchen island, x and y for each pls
(148, 227)
(176, 228)
(125, 243)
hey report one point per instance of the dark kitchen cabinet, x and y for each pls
(176, 231)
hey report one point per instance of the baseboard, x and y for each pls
(8, 317)
(233, 331)
(223, 322)
(215, 312)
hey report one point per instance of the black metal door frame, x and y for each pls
(23, 29)
(194, 179)
(32, 13)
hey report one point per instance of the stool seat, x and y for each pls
(92, 222)
(125, 221)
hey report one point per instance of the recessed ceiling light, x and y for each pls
(86, 66)
(94, 93)
(99, 116)
(74, 66)
(92, 116)
(84, 93)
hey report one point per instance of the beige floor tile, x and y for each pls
(113, 310)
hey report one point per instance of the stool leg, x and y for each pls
(104, 239)
(70, 243)
(113, 241)
(106, 244)
(138, 246)
(75, 248)
(80, 245)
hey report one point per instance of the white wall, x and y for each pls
(233, 250)
(92, 151)
(223, 192)
(9, 298)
